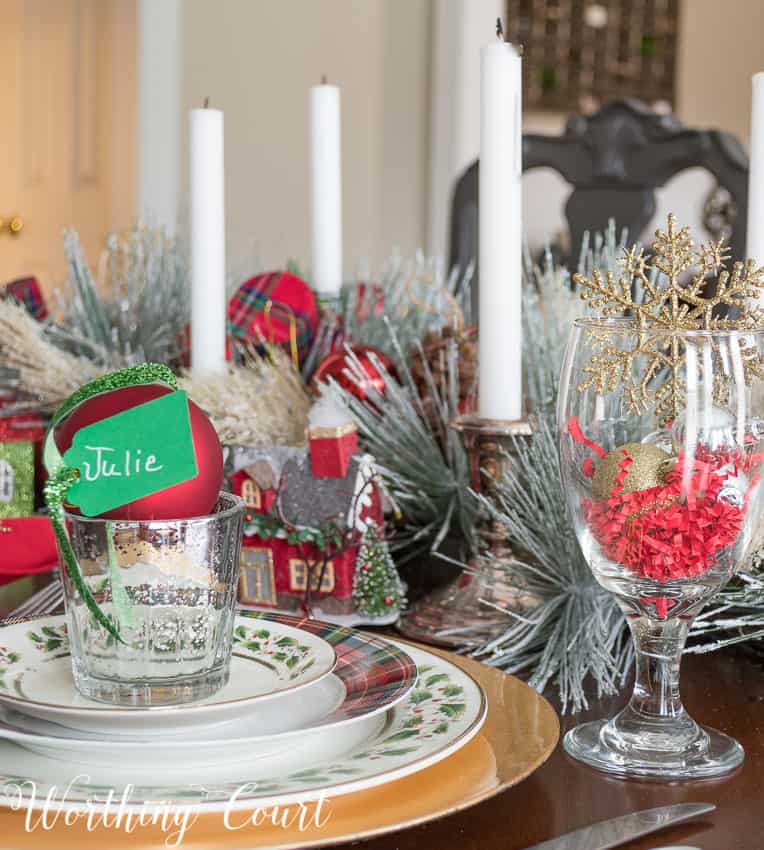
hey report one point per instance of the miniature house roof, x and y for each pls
(256, 461)
(308, 501)
(304, 500)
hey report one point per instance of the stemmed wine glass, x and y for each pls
(661, 453)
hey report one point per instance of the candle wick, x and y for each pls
(499, 30)
(323, 79)
(206, 103)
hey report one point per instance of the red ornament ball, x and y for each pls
(192, 498)
(337, 366)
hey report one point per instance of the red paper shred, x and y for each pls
(662, 604)
(578, 435)
(675, 530)
(623, 473)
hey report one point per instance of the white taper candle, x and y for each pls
(207, 213)
(500, 228)
(755, 236)
(326, 189)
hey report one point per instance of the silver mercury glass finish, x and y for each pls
(170, 587)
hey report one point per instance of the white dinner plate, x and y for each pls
(241, 740)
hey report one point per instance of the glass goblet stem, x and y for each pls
(658, 646)
(655, 717)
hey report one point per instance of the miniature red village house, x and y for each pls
(299, 492)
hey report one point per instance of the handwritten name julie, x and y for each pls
(105, 465)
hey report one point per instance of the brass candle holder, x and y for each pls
(462, 613)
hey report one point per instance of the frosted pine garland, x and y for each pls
(440, 299)
(424, 465)
(134, 308)
(577, 632)
(736, 615)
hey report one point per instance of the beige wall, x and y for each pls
(256, 59)
(720, 48)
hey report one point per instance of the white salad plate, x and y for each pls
(270, 661)
(328, 717)
(445, 709)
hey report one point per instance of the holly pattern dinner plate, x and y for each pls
(300, 654)
(445, 709)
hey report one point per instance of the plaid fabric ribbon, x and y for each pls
(292, 302)
(26, 291)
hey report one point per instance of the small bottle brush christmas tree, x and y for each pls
(376, 587)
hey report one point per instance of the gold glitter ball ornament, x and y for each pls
(647, 469)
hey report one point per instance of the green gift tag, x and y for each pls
(133, 454)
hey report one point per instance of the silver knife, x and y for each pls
(616, 831)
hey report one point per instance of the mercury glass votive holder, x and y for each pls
(170, 588)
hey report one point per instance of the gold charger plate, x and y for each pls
(520, 733)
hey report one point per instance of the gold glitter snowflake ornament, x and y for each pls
(677, 288)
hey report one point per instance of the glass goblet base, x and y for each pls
(697, 753)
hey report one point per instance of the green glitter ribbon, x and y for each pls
(62, 477)
(144, 373)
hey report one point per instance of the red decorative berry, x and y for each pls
(388, 600)
(248, 517)
(366, 567)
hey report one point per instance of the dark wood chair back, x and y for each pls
(614, 161)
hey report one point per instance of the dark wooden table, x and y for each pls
(725, 690)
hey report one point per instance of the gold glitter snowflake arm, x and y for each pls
(674, 253)
(606, 293)
(745, 283)
(613, 295)
(682, 289)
